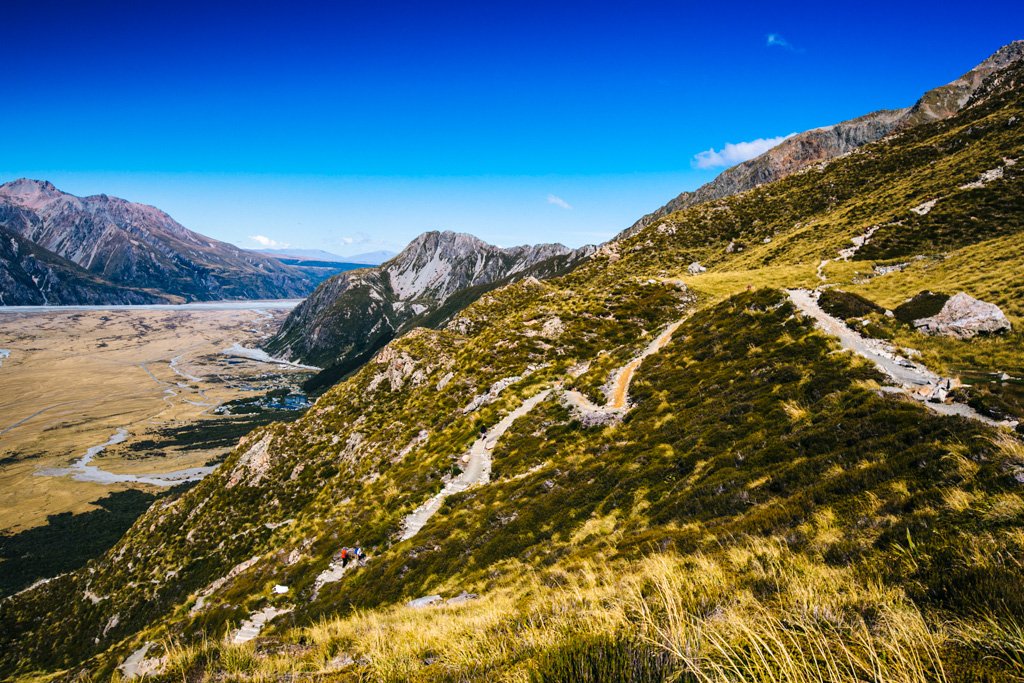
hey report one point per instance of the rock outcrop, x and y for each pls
(140, 247)
(964, 317)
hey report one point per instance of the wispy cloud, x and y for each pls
(777, 40)
(558, 201)
(735, 152)
(265, 241)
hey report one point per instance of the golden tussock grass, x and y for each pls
(757, 612)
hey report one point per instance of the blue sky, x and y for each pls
(359, 126)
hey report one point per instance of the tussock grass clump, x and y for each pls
(845, 305)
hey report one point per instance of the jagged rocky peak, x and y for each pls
(352, 314)
(823, 144)
(948, 99)
(29, 193)
(443, 262)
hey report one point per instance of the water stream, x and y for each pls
(83, 470)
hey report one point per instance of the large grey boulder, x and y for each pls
(963, 317)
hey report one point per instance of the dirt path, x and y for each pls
(252, 626)
(476, 466)
(38, 412)
(912, 379)
(617, 395)
(137, 664)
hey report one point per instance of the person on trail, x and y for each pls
(345, 557)
(360, 555)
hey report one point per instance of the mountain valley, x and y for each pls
(773, 431)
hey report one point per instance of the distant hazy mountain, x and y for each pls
(369, 258)
(306, 255)
(140, 247)
(372, 258)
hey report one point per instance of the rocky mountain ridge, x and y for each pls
(354, 313)
(140, 247)
(33, 276)
(823, 144)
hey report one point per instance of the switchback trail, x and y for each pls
(476, 463)
(617, 394)
(476, 466)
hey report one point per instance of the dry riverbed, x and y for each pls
(75, 380)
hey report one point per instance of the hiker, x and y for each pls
(345, 557)
(360, 555)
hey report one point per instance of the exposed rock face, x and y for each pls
(139, 246)
(944, 101)
(355, 313)
(964, 317)
(33, 276)
(822, 144)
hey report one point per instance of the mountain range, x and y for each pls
(716, 448)
(125, 252)
(369, 258)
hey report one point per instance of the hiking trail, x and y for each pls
(617, 391)
(912, 379)
(476, 464)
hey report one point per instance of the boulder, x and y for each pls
(425, 601)
(695, 268)
(963, 317)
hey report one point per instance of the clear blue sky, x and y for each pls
(359, 126)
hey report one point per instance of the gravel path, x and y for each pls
(912, 379)
(137, 664)
(252, 626)
(476, 467)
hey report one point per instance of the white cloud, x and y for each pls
(735, 152)
(265, 241)
(357, 239)
(558, 201)
(776, 40)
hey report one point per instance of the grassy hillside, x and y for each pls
(763, 512)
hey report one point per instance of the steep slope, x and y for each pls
(33, 276)
(761, 500)
(822, 144)
(355, 313)
(139, 246)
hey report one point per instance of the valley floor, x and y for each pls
(78, 379)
